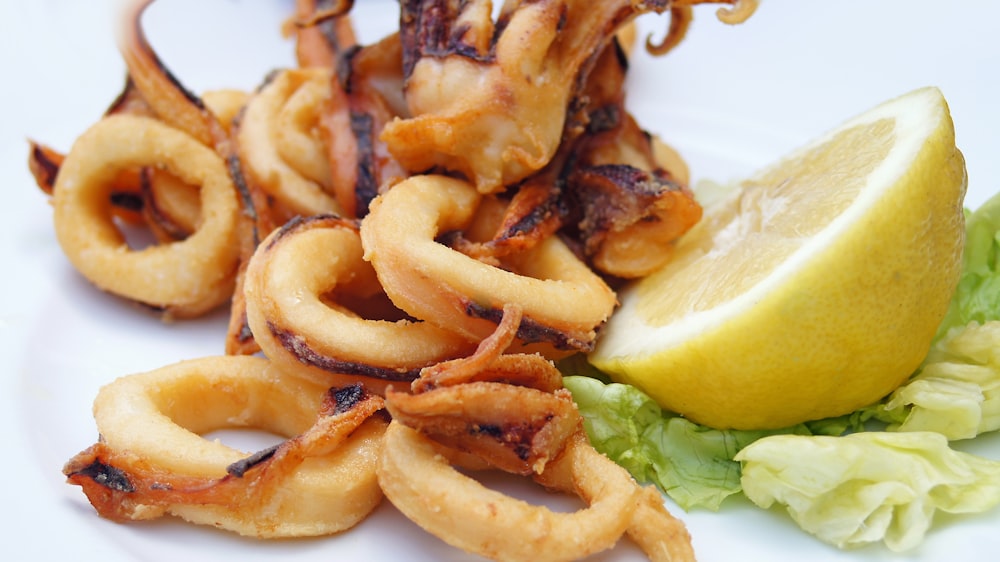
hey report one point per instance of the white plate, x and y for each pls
(731, 98)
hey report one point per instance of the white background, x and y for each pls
(731, 98)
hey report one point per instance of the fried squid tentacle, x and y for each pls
(626, 209)
(322, 30)
(490, 100)
(173, 103)
(631, 218)
(682, 14)
(369, 84)
(605, 188)
(515, 428)
(366, 93)
(166, 96)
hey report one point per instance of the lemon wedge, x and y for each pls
(815, 288)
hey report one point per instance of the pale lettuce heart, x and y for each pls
(867, 487)
(957, 391)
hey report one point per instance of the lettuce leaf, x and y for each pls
(699, 470)
(957, 390)
(865, 487)
(977, 297)
(692, 464)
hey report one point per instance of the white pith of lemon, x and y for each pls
(815, 288)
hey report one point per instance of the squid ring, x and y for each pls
(296, 138)
(563, 301)
(258, 137)
(296, 327)
(663, 537)
(171, 207)
(419, 480)
(183, 278)
(226, 104)
(151, 459)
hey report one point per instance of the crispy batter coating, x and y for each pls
(489, 99)
(300, 288)
(151, 461)
(414, 227)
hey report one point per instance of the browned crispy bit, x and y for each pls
(515, 428)
(322, 30)
(631, 218)
(43, 163)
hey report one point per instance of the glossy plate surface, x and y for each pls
(730, 98)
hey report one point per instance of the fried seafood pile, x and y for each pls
(407, 234)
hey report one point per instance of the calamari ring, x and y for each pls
(298, 328)
(663, 537)
(184, 278)
(226, 104)
(562, 300)
(419, 480)
(126, 196)
(256, 136)
(156, 417)
(171, 207)
(297, 138)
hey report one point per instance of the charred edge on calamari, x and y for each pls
(531, 331)
(328, 11)
(244, 334)
(240, 467)
(517, 437)
(346, 397)
(366, 188)
(297, 346)
(603, 119)
(126, 200)
(106, 475)
(247, 207)
(43, 165)
(554, 205)
(363, 130)
(609, 182)
(426, 30)
(299, 222)
(164, 222)
(345, 68)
